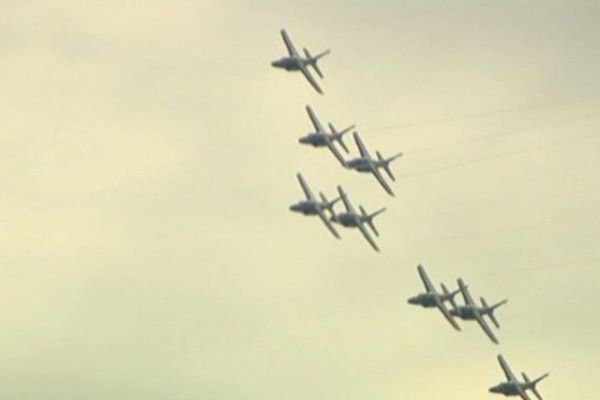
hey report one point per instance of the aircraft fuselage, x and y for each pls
(361, 164)
(466, 312)
(315, 139)
(289, 63)
(507, 388)
(349, 220)
(426, 300)
(306, 207)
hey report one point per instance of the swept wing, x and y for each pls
(307, 192)
(315, 121)
(335, 151)
(310, 78)
(361, 146)
(510, 377)
(465, 292)
(426, 282)
(485, 327)
(444, 310)
(345, 200)
(288, 43)
(523, 395)
(367, 236)
(382, 181)
(328, 223)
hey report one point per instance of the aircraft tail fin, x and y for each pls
(385, 162)
(492, 309)
(313, 60)
(339, 136)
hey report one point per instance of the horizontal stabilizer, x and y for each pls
(368, 220)
(339, 136)
(328, 204)
(313, 60)
(450, 296)
(532, 384)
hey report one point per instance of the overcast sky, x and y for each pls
(147, 162)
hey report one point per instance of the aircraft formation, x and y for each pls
(444, 301)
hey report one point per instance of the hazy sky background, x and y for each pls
(148, 157)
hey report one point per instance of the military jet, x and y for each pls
(352, 219)
(312, 206)
(470, 311)
(295, 62)
(431, 298)
(320, 137)
(512, 387)
(365, 163)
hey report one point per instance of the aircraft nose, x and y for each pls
(493, 389)
(412, 300)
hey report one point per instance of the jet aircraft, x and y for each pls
(295, 62)
(312, 206)
(512, 387)
(365, 163)
(470, 311)
(320, 137)
(431, 298)
(351, 219)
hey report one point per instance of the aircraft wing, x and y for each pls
(361, 146)
(507, 372)
(523, 395)
(382, 181)
(328, 223)
(307, 192)
(310, 78)
(345, 200)
(288, 43)
(465, 292)
(365, 233)
(336, 152)
(444, 310)
(486, 328)
(425, 279)
(315, 121)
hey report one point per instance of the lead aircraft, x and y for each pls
(295, 62)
